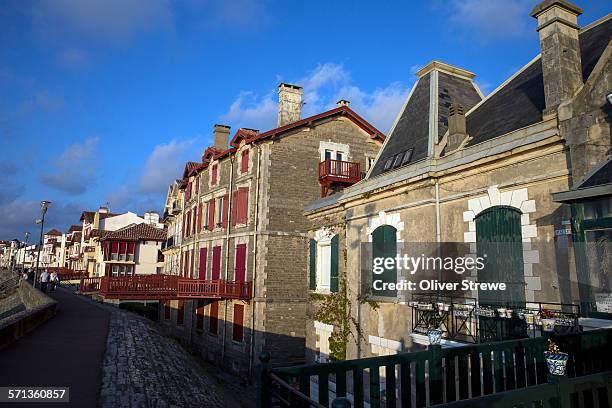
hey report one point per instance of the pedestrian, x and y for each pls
(44, 281)
(54, 279)
(31, 276)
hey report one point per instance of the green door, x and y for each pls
(499, 240)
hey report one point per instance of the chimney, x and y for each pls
(561, 65)
(221, 136)
(103, 210)
(289, 104)
(456, 127)
(343, 102)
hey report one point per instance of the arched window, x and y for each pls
(384, 245)
(499, 240)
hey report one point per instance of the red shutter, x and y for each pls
(244, 165)
(234, 206)
(225, 208)
(202, 267)
(188, 225)
(238, 329)
(240, 271)
(191, 263)
(199, 217)
(180, 317)
(214, 317)
(200, 315)
(167, 309)
(216, 263)
(211, 215)
(130, 248)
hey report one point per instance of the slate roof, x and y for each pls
(409, 138)
(520, 102)
(601, 176)
(137, 232)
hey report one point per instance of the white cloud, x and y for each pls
(74, 171)
(323, 86)
(166, 163)
(18, 217)
(485, 20)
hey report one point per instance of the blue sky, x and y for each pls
(102, 101)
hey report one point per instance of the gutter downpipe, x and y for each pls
(438, 233)
(227, 234)
(255, 221)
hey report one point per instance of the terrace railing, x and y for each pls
(436, 376)
(89, 284)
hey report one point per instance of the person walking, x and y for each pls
(54, 280)
(44, 281)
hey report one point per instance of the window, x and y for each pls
(114, 251)
(398, 159)
(324, 264)
(130, 251)
(213, 174)
(219, 214)
(205, 210)
(384, 245)
(238, 320)
(240, 268)
(388, 163)
(369, 163)
(407, 156)
(213, 323)
(180, 316)
(200, 315)
(244, 161)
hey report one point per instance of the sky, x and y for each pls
(103, 101)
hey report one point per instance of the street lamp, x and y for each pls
(43, 210)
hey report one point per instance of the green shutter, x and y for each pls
(313, 264)
(498, 235)
(333, 279)
(384, 242)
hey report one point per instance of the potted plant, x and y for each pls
(529, 318)
(434, 335)
(547, 317)
(556, 360)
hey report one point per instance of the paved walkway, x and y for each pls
(66, 351)
(143, 368)
(112, 358)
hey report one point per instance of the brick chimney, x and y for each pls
(343, 102)
(456, 127)
(289, 104)
(221, 136)
(561, 65)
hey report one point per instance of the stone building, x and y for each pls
(243, 233)
(461, 168)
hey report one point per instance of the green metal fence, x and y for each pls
(437, 376)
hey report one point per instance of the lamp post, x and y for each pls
(43, 210)
(27, 236)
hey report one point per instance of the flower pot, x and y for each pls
(529, 318)
(413, 303)
(556, 362)
(434, 335)
(502, 312)
(484, 312)
(548, 325)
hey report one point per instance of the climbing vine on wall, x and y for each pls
(335, 309)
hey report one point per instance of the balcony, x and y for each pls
(337, 172)
(166, 287)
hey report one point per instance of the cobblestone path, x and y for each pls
(143, 368)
